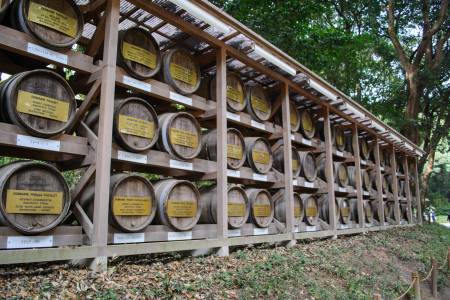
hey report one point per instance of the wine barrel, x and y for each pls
(41, 102)
(55, 24)
(321, 164)
(368, 212)
(387, 157)
(35, 197)
(4, 4)
(280, 208)
(235, 147)
(364, 149)
(308, 168)
(324, 208)
(278, 161)
(181, 70)
(339, 138)
(366, 180)
(403, 211)
(236, 91)
(259, 105)
(307, 128)
(345, 212)
(138, 53)
(390, 183)
(341, 174)
(382, 159)
(259, 154)
(349, 143)
(178, 204)
(132, 202)
(294, 117)
(385, 184)
(261, 207)
(238, 206)
(375, 210)
(311, 208)
(180, 135)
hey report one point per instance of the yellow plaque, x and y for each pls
(183, 74)
(181, 209)
(236, 209)
(340, 139)
(293, 118)
(261, 210)
(368, 212)
(311, 211)
(261, 157)
(132, 206)
(139, 55)
(34, 202)
(135, 126)
(235, 94)
(183, 138)
(294, 164)
(259, 104)
(46, 16)
(345, 212)
(297, 211)
(342, 174)
(307, 122)
(365, 147)
(234, 151)
(42, 106)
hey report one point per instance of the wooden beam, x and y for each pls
(395, 185)
(359, 190)
(329, 170)
(418, 200)
(83, 182)
(379, 182)
(97, 39)
(407, 189)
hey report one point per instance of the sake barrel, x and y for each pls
(345, 212)
(235, 147)
(41, 102)
(311, 210)
(35, 197)
(403, 211)
(341, 174)
(401, 188)
(278, 161)
(132, 202)
(368, 212)
(382, 158)
(280, 208)
(339, 138)
(55, 24)
(261, 207)
(387, 157)
(178, 204)
(390, 183)
(375, 210)
(180, 135)
(390, 207)
(323, 202)
(364, 149)
(138, 53)
(3, 8)
(258, 154)
(294, 117)
(238, 206)
(321, 164)
(365, 178)
(308, 166)
(236, 91)
(181, 70)
(259, 105)
(307, 128)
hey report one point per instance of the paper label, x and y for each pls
(234, 151)
(262, 210)
(132, 206)
(139, 55)
(183, 138)
(297, 211)
(129, 238)
(366, 193)
(311, 228)
(42, 106)
(233, 117)
(233, 173)
(345, 226)
(179, 235)
(311, 211)
(343, 190)
(296, 228)
(261, 157)
(181, 165)
(292, 137)
(236, 209)
(345, 212)
(363, 162)
(135, 126)
(258, 125)
(37, 143)
(133, 157)
(234, 232)
(137, 84)
(180, 98)
(308, 184)
(260, 231)
(17, 242)
(181, 209)
(259, 104)
(183, 74)
(47, 53)
(339, 153)
(259, 177)
(306, 142)
(294, 182)
(33, 202)
(46, 16)
(235, 95)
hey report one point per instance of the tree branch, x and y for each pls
(394, 38)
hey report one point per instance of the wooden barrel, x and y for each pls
(339, 138)
(178, 204)
(382, 158)
(366, 180)
(364, 149)
(278, 161)
(311, 208)
(390, 183)
(294, 117)
(403, 211)
(238, 206)
(35, 197)
(132, 202)
(324, 208)
(280, 208)
(320, 164)
(368, 212)
(308, 168)
(261, 207)
(385, 184)
(3, 8)
(236, 91)
(387, 157)
(235, 147)
(40, 101)
(138, 53)
(401, 188)
(341, 174)
(181, 70)
(259, 105)
(307, 127)
(349, 143)
(180, 135)
(345, 211)
(390, 208)
(376, 214)
(259, 154)
(56, 24)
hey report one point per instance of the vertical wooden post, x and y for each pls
(407, 190)
(434, 274)
(448, 258)
(416, 279)
(359, 190)
(329, 170)
(395, 186)
(418, 200)
(379, 181)
(288, 186)
(376, 297)
(222, 180)
(103, 151)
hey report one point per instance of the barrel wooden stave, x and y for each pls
(235, 142)
(339, 138)
(311, 208)
(325, 209)
(260, 197)
(294, 117)
(364, 149)
(368, 211)
(3, 8)
(307, 126)
(259, 105)
(236, 92)
(344, 210)
(253, 146)
(278, 161)
(280, 208)
(341, 174)
(185, 61)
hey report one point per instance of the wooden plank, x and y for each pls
(418, 200)
(329, 170)
(395, 185)
(407, 189)
(359, 190)
(379, 180)
(46, 254)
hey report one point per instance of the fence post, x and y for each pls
(376, 297)
(415, 278)
(434, 274)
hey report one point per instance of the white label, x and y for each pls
(134, 157)
(137, 84)
(339, 153)
(307, 142)
(365, 193)
(233, 173)
(296, 228)
(16, 242)
(179, 235)
(292, 137)
(260, 231)
(342, 189)
(181, 165)
(311, 228)
(345, 226)
(180, 98)
(258, 125)
(129, 238)
(234, 232)
(259, 177)
(309, 184)
(47, 53)
(363, 162)
(294, 182)
(37, 143)
(233, 117)
(382, 169)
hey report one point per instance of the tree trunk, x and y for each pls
(426, 174)
(412, 107)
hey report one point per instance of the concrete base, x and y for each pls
(99, 264)
(290, 244)
(201, 252)
(223, 251)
